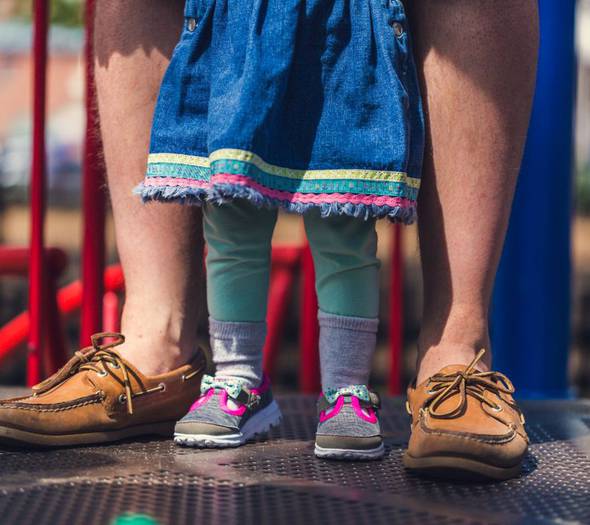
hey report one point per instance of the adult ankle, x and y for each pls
(435, 358)
(159, 341)
(157, 352)
(454, 342)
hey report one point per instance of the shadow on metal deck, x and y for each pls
(280, 481)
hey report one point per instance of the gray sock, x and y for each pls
(346, 349)
(237, 349)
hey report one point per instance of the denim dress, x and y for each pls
(296, 104)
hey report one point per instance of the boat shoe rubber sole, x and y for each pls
(18, 438)
(460, 468)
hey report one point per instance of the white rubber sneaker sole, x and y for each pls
(350, 454)
(257, 425)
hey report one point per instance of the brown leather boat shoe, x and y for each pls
(99, 397)
(465, 423)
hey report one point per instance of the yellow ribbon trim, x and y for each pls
(252, 158)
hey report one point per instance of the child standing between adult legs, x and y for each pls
(312, 107)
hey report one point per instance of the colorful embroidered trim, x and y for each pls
(227, 156)
(229, 169)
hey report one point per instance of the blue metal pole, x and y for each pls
(531, 304)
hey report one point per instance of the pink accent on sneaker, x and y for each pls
(202, 400)
(264, 386)
(324, 416)
(231, 411)
(367, 414)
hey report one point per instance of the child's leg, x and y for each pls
(347, 280)
(238, 236)
(347, 271)
(236, 404)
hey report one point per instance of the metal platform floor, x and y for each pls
(280, 481)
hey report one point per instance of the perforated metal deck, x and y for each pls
(280, 481)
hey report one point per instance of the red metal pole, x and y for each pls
(309, 375)
(37, 270)
(395, 312)
(93, 201)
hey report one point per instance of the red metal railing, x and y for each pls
(96, 294)
(65, 304)
(37, 279)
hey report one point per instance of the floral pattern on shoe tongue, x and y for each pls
(233, 386)
(360, 391)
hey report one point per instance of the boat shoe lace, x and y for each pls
(465, 383)
(95, 358)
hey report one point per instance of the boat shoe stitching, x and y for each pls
(481, 438)
(57, 407)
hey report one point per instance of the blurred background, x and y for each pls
(66, 120)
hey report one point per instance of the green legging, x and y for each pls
(238, 262)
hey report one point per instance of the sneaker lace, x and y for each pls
(464, 383)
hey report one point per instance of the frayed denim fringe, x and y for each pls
(223, 193)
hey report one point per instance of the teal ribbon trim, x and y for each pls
(232, 386)
(360, 391)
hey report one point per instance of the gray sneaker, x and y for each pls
(227, 414)
(349, 425)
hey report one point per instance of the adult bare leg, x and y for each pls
(478, 64)
(160, 245)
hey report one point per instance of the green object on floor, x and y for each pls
(130, 518)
